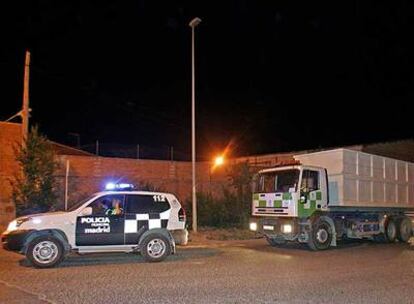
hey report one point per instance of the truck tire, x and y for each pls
(45, 251)
(155, 248)
(320, 237)
(391, 231)
(404, 229)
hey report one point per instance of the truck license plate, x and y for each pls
(267, 227)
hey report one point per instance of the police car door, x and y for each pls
(144, 212)
(105, 226)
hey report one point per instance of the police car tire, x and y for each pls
(50, 240)
(154, 237)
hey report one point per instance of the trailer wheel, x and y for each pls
(404, 229)
(320, 237)
(391, 231)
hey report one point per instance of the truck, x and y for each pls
(323, 197)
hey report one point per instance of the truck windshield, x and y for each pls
(277, 181)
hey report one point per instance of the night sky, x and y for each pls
(271, 75)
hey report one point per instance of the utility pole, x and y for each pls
(25, 109)
(193, 23)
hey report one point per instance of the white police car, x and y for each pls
(110, 221)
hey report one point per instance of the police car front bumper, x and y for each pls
(14, 240)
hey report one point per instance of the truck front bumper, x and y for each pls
(276, 228)
(14, 240)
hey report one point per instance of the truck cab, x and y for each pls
(292, 191)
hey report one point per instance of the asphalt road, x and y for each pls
(227, 272)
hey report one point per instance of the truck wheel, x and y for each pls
(320, 237)
(404, 229)
(155, 248)
(45, 252)
(391, 231)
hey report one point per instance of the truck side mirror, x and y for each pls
(302, 199)
(86, 211)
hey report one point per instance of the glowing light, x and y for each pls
(37, 221)
(253, 226)
(110, 186)
(287, 228)
(12, 226)
(122, 186)
(219, 160)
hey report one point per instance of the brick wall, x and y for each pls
(88, 174)
(10, 137)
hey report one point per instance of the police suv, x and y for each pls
(118, 220)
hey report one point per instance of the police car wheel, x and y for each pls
(45, 252)
(155, 248)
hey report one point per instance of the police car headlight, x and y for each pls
(16, 223)
(12, 226)
(253, 226)
(287, 228)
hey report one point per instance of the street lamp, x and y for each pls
(217, 162)
(193, 23)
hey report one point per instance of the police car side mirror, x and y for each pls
(86, 211)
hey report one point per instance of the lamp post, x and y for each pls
(193, 23)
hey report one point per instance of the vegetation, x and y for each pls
(33, 189)
(232, 207)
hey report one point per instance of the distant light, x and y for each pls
(218, 161)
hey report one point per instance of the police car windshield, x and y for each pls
(277, 181)
(77, 205)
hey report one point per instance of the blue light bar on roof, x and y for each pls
(122, 186)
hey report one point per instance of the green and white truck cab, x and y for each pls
(331, 195)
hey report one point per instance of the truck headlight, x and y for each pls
(12, 226)
(287, 228)
(253, 226)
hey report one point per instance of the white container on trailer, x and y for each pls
(358, 179)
